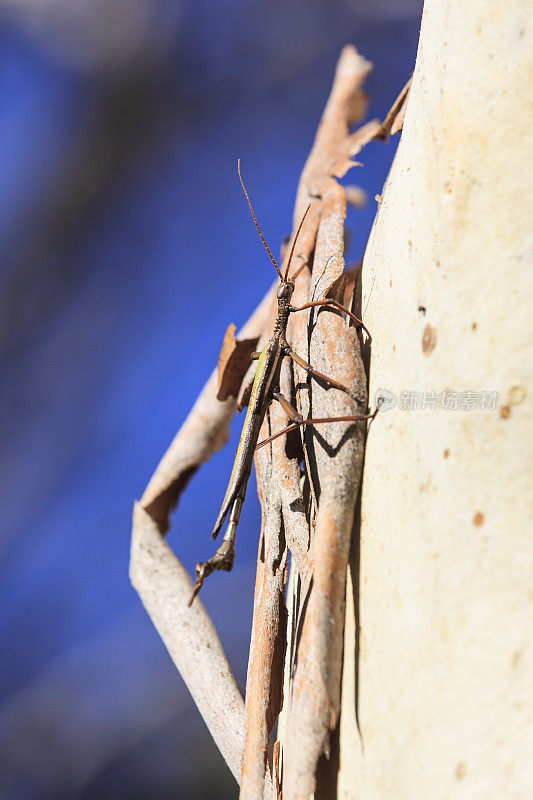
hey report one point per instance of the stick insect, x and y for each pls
(265, 389)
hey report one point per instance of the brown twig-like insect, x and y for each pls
(265, 388)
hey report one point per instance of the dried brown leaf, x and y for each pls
(233, 362)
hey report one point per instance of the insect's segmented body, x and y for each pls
(266, 382)
(266, 377)
(265, 388)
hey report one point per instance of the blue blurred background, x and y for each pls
(127, 248)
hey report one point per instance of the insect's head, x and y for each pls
(285, 290)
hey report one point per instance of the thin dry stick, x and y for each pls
(189, 636)
(163, 583)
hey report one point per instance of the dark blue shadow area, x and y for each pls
(127, 249)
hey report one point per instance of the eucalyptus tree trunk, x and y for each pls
(437, 689)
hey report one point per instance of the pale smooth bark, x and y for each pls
(437, 688)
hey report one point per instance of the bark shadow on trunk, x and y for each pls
(328, 770)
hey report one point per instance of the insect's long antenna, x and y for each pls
(256, 222)
(294, 243)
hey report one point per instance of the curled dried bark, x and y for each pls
(393, 122)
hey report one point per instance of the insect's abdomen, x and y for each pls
(266, 368)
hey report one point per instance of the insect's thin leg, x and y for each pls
(288, 429)
(289, 409)
(300, 268)
(329, 301)
(309, 369)
(225, 555)
(297, 423)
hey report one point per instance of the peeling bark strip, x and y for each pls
(334, 455)
(393, 122)
(279, 490)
